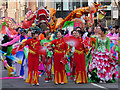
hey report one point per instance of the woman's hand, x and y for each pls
(50, 48)
(65, 56)
(17, 44)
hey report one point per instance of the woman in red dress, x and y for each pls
(79, 58)
(59, 53)
(33, 58)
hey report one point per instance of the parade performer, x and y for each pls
(47, 60)
(33, 58)
(20, 54)
(101, 59)
(7, 49)
(79, 58)
(59, 54)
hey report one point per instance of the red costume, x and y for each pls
(59, 68)
(33, 59)
(79, 58)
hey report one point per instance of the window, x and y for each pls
(66, 5)
(57, 5)
(40, 3)
(105, 2)
(85, 4)
(108, 12)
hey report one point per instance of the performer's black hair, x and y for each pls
(17, 28)
(72, 31)
(89, 33)
(61, 31)
(103, 28)
(34, 32)
(80, 32)
(77, 28)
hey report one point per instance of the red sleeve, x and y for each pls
(24, 44)
(39, 43)
(53, 42)
(66, 49)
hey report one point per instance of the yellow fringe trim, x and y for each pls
(36, 77)
(31, 51)
(78, 79)
(65, 77)
(59, 77)
(56, 77)
(28, 78)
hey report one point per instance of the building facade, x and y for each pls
(17, 9)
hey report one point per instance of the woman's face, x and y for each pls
(23, 33)
(77, 34)
(19, 30)
(90, 29)
(59, 35)
(74, 33)
(29, 34)
(48, 36)
(95, 30)
(35, 35)
(99, 30)
(113, 30)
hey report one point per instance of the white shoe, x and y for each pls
(46, 81)
(33, 84)
(56, 83)
(15, 75)
(77, 82)
(62, 83)
(37, 84)
(100, 81)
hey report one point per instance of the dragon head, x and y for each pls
(42, 15)
(100, 8)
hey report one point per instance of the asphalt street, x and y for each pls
(19, 83)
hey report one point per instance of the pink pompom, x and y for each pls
(68, 74)
(116, 74)
(117, 58)
(5, 62)
(112, 51)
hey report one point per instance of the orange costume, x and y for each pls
(33, 59)
(79, 58)
(59, 68)
(41, 37)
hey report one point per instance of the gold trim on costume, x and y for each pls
(59, 77)
(56, 77)
(83, 78)
(36, 77)
(31, 51)
(79, 52)
(59, 51)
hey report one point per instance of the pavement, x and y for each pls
(19, 83)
